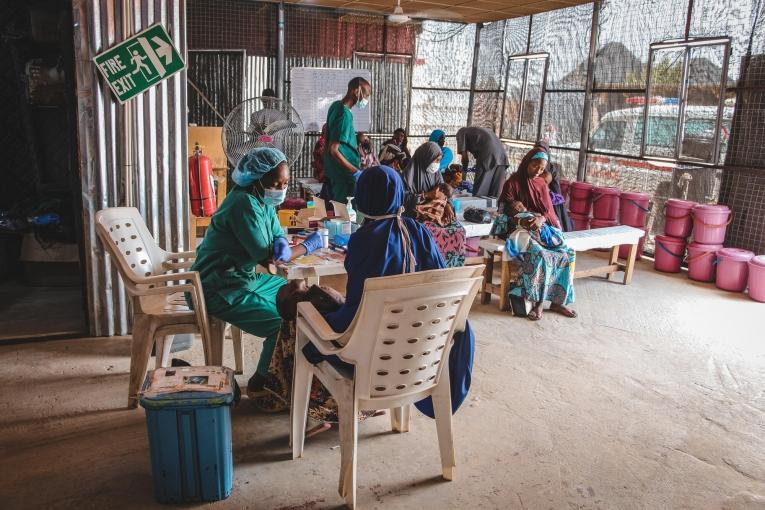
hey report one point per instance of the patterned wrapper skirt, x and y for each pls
(450, 241)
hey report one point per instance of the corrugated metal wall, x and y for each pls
(159, 174)
(259, 74)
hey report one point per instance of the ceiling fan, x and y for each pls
(397, 16)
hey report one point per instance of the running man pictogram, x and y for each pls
(138, 60)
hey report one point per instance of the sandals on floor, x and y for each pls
(533, 315)
(567, 312)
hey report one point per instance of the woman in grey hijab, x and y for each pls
(427, 200)
(421, 174)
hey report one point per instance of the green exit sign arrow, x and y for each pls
(140, 62)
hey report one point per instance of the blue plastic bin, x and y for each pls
(188, 416)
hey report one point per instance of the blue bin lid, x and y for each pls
(174, 387)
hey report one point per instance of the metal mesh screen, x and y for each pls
(487, 110)
(626, 30)
(565, 35)
(444, 57)
(713, 18)
(232, 24)
(492, 58)
(438, 109)
(562, 119)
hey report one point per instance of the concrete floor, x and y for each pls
(653, 398)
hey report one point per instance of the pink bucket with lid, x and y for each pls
(634, 208)
(668, 254)
(701, 261)
(564, 185)
(580, 197)
(678, 217)
(733, 269)
(580, 221)
(757, 278)
(710, 223)
(597, 223)
(605, 203)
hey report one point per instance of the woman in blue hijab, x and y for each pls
(439, 137)
(389, 244)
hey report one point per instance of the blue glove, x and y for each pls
(282, 251)
(312, 243)
(356, 175)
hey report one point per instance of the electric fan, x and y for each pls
(262, 122)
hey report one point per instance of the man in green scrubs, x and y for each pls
(341, 158)
(244, 232)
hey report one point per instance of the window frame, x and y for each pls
(525, 57)
(686, 45)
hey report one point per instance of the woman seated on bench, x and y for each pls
(546, 269)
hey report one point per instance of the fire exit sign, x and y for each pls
(140, 62)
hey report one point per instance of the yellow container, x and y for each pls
(287, 218)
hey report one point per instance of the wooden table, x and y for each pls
(583, 240)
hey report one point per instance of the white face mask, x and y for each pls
(433, 167)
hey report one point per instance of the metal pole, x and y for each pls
(584, 140)
(474, 74)
(280, 59)
(127, 124)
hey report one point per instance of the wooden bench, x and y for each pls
(583, 240)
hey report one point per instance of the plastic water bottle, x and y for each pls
(351, 212)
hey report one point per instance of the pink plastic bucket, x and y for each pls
(757, 278)
(605, 203)
(678, 218)
(701, 261)
(624, 250)
(580, 198)
(596, 223)
(634, 208)
(668, 255)
(733, 269)
(580, 221)
(710, 223)
(564, 184)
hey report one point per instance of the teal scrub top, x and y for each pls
(340, 129)
(241, 234)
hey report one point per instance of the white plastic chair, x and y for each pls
(159, 309)
(399, 343)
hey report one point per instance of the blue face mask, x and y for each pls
(274, 197)
(363, 103)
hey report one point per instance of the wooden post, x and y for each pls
(613, 259)
(630, 264)
(504, 301)
(488, 277)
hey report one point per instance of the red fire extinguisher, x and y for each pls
(201, 184)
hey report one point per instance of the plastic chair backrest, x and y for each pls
(130, 243)
(402, 334)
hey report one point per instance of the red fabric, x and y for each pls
(532, 193)
(318, 155)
